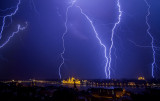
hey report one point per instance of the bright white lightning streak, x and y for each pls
(9, 15)
(152, 42)
(19, 28)
(97, 36)
(66, 30)
(113, 32)
(94, 29)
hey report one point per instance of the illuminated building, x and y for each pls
(119, 92)
(71, 81)
(141, 78)
(131, 83)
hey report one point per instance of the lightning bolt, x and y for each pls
(100, 42)
(9, 15)
(96, 34)
(66, 30)
(112, 36)
(152, 38)
(19, 27)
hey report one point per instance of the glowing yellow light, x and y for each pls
(71, 81)
(141, 78)
(131, 83)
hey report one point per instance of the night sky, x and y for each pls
(35, 51)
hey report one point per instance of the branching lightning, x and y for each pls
(9, 15)
(19, 27)
(112, 41)
(96, 34)
(152, 42)
(66, 30)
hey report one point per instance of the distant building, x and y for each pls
(107, 93)
(141, 78)
(71, 81)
